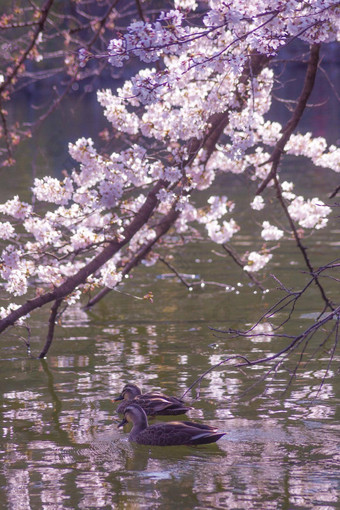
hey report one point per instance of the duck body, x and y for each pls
(152, 403)
(167, 434)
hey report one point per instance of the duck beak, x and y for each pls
(122, 423)
(120, 397)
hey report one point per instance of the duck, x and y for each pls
(168, 433)
(152, 403)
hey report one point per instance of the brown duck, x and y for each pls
(152, 403)
(167, 433)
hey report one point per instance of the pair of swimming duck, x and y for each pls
(135, 408)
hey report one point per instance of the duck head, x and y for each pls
(136, 415)
(130, 391)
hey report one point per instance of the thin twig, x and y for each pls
(238, 261)
(336, 328)
(280, 356)
(174, 270)
(39, 28)
(199, 380)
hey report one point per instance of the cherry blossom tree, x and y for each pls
(197, 107)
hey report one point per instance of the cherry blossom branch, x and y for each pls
(81, 276)
(295, 118)
(101, 24)
(279, 148)
(219, 121)
(299, 244)
(236, 40)
(39, 28)
(99, 207)
(140, 10)
(6, 135)
(51, 326)
(161, 229)
(113, 247)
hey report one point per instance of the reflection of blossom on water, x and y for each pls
(75, 316)
(223, 414)
(216, 388)
(18, 498)
(151, 330)
(112, 331)
(262, 332)
(314, 409)
(29, 409)
(327, 492)
(222, 384)
(182, 359)
(22, 395)
(324, 374)
(320, 412)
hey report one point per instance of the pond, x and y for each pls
(60, 445)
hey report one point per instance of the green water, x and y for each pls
(60, 447)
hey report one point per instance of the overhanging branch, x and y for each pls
(295, 118)
(81, 276)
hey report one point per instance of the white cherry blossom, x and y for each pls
(270, 232)
(258, 203)
(52, 190)
(310, 213)
(257, 261)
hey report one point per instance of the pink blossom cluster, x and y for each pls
(232, 26)
(149, 40)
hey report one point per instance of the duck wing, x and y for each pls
(199, 426)
(160, 404)
(175, 400)
(177, 433)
